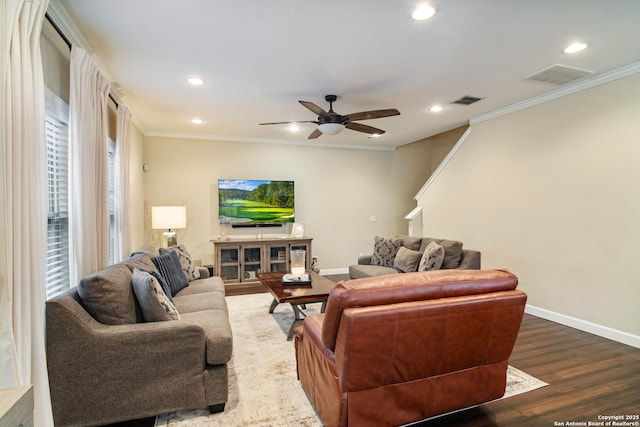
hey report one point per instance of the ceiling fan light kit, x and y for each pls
(332, 123)
(331, 128)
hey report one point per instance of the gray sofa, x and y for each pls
(105, 373)
(455, 257)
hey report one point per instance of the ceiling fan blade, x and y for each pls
(373, 114)
(316, 133)
(288, 123)
(313, 107)
(364, 128)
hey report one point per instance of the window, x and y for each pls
(57, 268)
(57, 134)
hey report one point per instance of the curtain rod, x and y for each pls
(69, 44)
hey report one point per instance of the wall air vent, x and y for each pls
(466, 100)
(559, 74)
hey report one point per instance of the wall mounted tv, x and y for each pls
(255, 203)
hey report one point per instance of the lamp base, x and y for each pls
(171, 238)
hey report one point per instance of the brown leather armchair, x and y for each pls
(400, 348)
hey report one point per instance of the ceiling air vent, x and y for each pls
(559, 74)
(466, 100)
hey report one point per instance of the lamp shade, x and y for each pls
(168, 217)
(331, 128)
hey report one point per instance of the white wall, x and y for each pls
(551, 193)
(412, 165)
(337, 190)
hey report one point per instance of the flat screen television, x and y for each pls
(255, 203)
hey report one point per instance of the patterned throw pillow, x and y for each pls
(432, 257)
(163, 283)
(186, 263)
(154, 303)
(384, 251)
(168, 265)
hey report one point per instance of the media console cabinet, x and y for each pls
(240, 260)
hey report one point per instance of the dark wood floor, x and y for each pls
(588, 377)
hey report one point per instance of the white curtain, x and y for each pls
(122, 237)
(88, 167)
(23, 204)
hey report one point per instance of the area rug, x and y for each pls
(263, 387)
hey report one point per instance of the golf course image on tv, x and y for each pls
(254, 202)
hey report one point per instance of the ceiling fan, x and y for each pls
(331, 123)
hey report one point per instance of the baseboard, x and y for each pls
(583, 325)
(330, 271)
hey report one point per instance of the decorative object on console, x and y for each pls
(297, 230)
(169, 218)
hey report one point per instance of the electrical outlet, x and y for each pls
(373, 218)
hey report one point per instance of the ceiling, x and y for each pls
(258, 58)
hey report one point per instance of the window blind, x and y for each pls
(57, 269)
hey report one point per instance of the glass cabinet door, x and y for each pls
(229, 264)
(251, 262)
(278, 258)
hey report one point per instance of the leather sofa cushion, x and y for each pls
(398, 288)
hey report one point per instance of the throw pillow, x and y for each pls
(407, 260)
(452, 251)
(384, 251)
(409, 242)
(432, 258)
(186, 263)
(163, 283)
(169, 267)
(154, 303)
(108, 297)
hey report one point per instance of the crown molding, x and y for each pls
(303, 143)
(560, 92)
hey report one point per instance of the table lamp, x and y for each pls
(169, 218)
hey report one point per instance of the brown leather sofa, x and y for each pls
(400, 348)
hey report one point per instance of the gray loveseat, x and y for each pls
(413, 248)
(103, 373)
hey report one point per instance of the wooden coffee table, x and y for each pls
(296, 295)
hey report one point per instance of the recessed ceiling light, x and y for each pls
(423, 12)
(375, 135)
(196, 81)
(436, 108)
(197, 121)
(293, 128)
(575, 47)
